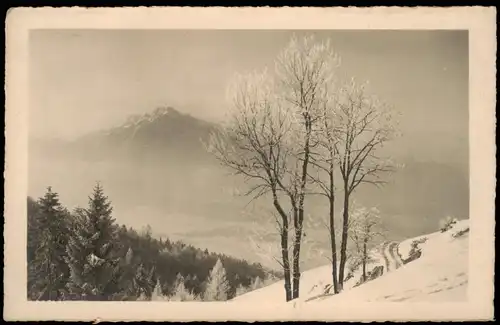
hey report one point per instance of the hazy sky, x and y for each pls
(87, 80)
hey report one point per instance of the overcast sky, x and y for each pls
(82, 81)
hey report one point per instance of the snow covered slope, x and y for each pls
(312, 283)
(440, 274)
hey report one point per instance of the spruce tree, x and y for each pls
(129, 256)
(91, 257)
(181, 293)
(33, 226)
(257, 283)
(158, 293)
(48, 232)
(143, 282)
(126, 277)
(217, 286)
(32, 245)
(240, 290)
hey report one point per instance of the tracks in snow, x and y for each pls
(383, 250)
(391, 257)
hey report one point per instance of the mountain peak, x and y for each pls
(158, 112)
(171, 110)
(164, 128)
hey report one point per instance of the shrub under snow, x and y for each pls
(447, 223)
(415, 251)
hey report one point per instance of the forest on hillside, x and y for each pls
(85, 255)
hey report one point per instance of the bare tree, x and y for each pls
(364, 230)
(324, 162)
(364, 124)
(253, 142)
(270, 134)
(305, 69)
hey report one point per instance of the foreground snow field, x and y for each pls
(440, 274)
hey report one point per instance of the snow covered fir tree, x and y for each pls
(94, 266)
(48, 234)
(86, 255)
(217, 286)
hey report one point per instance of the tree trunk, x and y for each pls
(296, 253)
(296, 263)
(332, 232)
(284, 247)
(299, 220)
(345, 230)
(365, 257)
(286, 263)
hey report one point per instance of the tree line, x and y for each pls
(85, 255)
(305, 129)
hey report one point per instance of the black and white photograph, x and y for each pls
(296, 167)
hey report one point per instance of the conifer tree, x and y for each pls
(240, 290)
(257, 283)
(33, 216)
(127, 277)
(48, 272)
(129, 256)
(32, 245)
(158, 293)
(143, 283)
(181, 293)
(91, 259)
(217, 286)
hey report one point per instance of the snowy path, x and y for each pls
(396, 256)
(383, 250)
(391, 256)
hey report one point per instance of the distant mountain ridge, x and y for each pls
(163, 133)
(157, 160)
